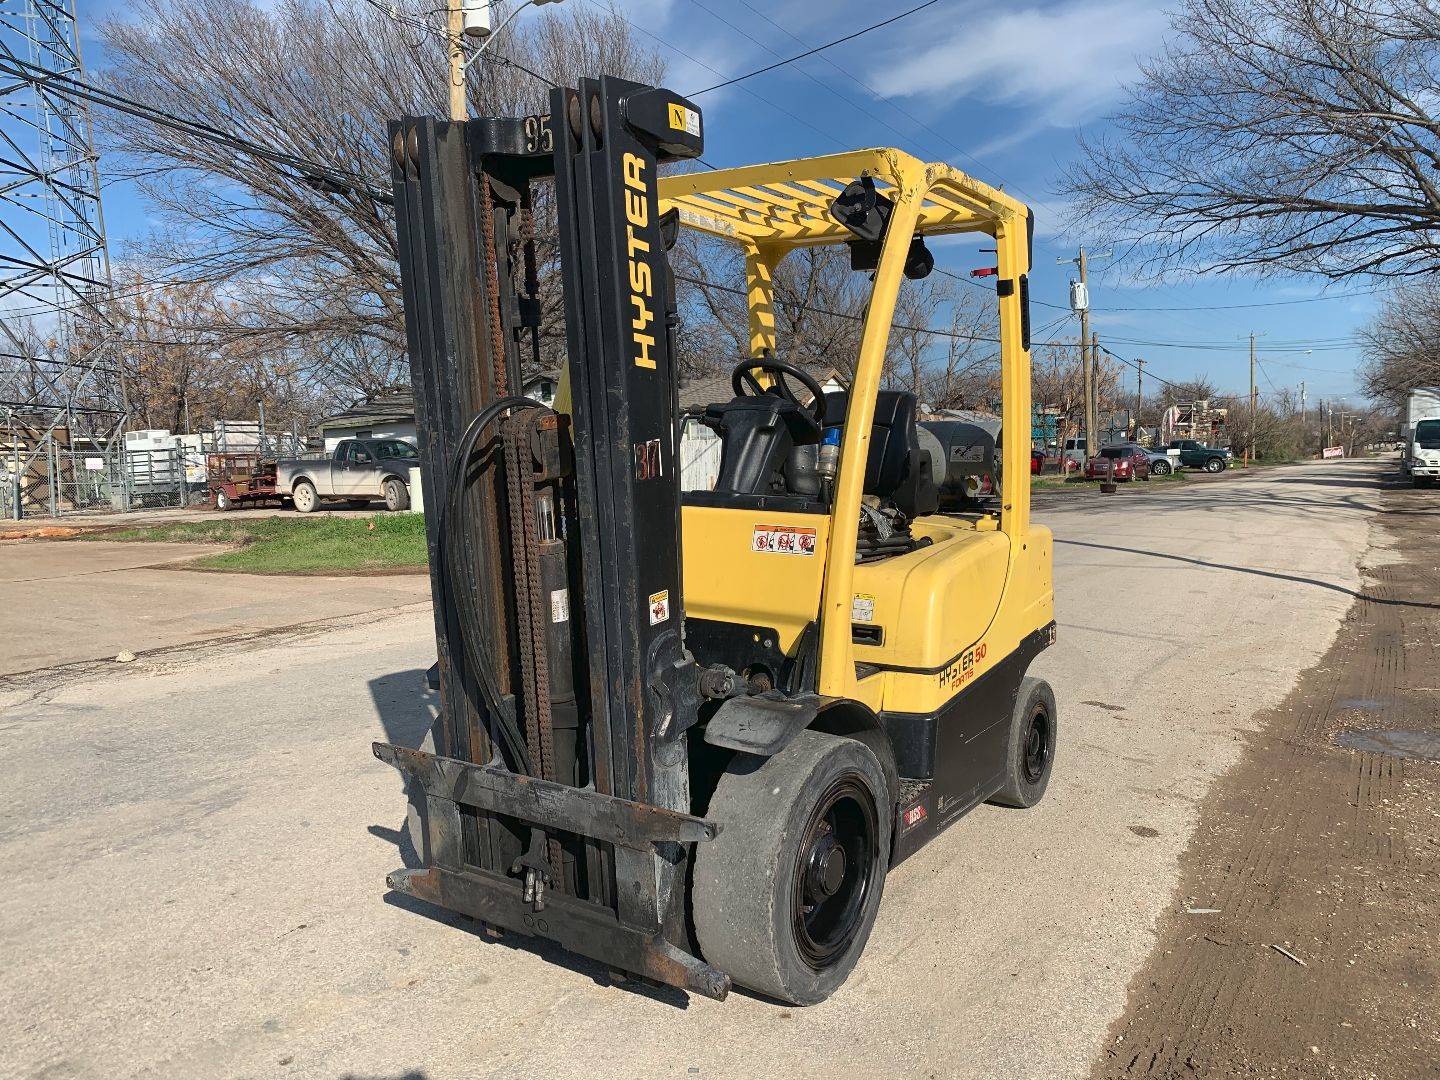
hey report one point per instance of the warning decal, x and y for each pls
(862, 608)
(683, 119)
(784, 540)
(659, 607)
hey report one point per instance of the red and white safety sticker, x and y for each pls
(784, 540)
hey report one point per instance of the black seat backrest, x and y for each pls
(892, 437)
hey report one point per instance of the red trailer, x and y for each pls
(240, 478)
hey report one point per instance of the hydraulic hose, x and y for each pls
(476, 649)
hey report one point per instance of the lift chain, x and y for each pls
(499, 356)
(518, 434)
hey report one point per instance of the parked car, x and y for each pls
(1162, 461)
(1037, 462)
(358, 471)
(1124, 462)
(1196, 455)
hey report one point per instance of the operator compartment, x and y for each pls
(757, 538)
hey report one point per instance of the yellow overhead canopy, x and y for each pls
(788, 202)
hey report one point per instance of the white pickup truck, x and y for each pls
(358, 471)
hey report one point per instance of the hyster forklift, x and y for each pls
(688, 733)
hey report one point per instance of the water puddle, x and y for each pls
(1420, 745)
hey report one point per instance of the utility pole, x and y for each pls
(455, 45)
(1092, 395)
(1302, 402)
(1089, 353)
(1087, 358)
(1250, 442)
(1139, 393)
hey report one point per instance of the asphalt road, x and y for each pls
(197, 843)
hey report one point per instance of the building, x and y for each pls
(1195, 420)
(389, 414)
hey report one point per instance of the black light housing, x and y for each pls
(866, 212)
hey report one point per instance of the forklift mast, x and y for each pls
(558, 797)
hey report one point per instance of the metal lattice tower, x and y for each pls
(56, 373)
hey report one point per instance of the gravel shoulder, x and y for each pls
(1301, 941)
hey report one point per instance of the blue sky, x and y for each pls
(1002, 95)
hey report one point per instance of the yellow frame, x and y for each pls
(769, 210)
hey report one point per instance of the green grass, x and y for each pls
(328, 545)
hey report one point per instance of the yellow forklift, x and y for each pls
(687, 733)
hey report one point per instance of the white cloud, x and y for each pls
(1068, 62)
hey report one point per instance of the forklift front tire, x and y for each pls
(786, 895)
(1031, 753)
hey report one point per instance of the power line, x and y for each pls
(817, 49)
(1266, 304)
(970, 281)
(701, 63)
(952, 334)
(342, 180)
(1131, 363)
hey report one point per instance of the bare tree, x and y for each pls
(1057, 381)
(1402, 344)
(1196, 388)
(819, 309)
(954, 367)
(188, 352)
(317, 79)
(1279, 135)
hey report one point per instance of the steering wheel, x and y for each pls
(744, 375)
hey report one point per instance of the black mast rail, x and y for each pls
(601, 824)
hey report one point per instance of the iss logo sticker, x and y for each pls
(784, 540)
(912, 817)
(659, 607)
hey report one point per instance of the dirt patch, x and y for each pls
(44, 532)
(1302, 942)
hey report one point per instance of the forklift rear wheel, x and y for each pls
(786, 895)
(397, 496)
(304, 497)
(1032, 746)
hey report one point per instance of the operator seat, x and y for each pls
(758, 433)
(897, 470)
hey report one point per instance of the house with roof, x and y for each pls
(389, 414)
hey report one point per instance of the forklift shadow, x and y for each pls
(1256, 571)
(408, 707)
(548, 951)
(408, 1074)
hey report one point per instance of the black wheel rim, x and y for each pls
(1039, 745)
(835, 871)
